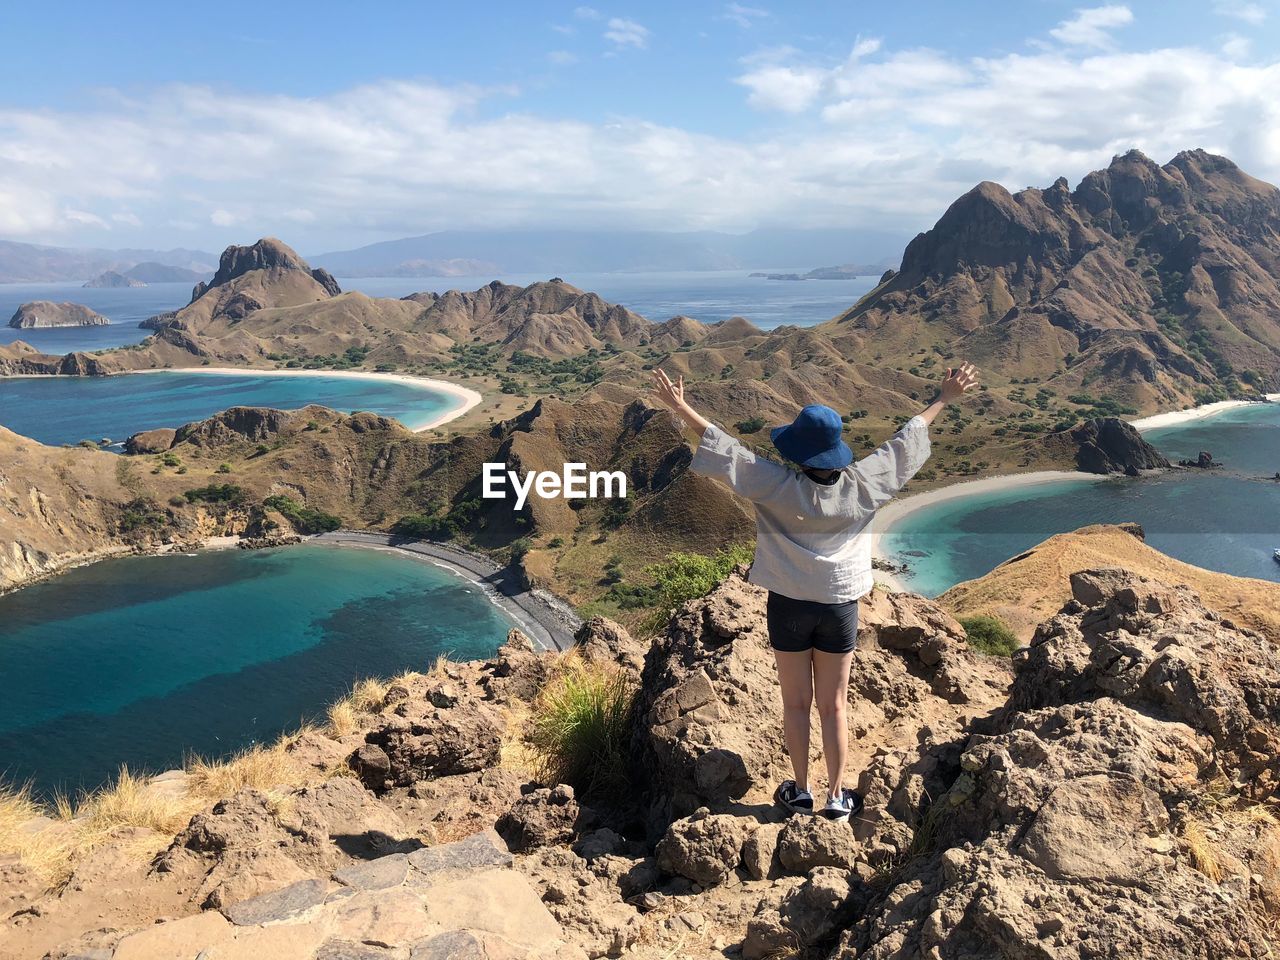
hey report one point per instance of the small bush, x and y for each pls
(519, 548)
(988, 634)
(304, 519)
(228, 493)
(223, 468)
(750, 425)
(581, 730)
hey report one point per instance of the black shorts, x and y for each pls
(799, 625)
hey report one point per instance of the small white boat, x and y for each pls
(1276, 555)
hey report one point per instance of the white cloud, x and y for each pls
(562, 58)
(1091, 27)
(887, 139)
(127, 218)
(1236, 47)
(789, 89)
(743, 16)
(1254, 13)
(586, 13)
(627, 33)
(84, 218)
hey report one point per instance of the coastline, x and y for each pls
(468, 398)
(1203, 412)
(898, 510)
(544, 618)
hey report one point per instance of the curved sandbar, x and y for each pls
(1205, 410)
(547, 620)
(467, 397)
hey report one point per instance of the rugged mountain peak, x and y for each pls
(267, 254)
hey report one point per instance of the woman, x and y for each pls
(813, 555)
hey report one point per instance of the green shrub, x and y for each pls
(555, 542)
(141, 514)
(223, 468)
(750, 425)
(304, 519)
(687, 576)
(988, 634)
(228, 493)
(519, 548)
(581, 730)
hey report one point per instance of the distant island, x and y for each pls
(111, 279)
(46, 313)
(847, 271)
(143, 274)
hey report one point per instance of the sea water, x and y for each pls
(58, 410)
(142, 661)
(1226, 520)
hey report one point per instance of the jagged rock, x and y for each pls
(759, 851)
(600, 640)
(372, 766)
(709, 712)
(388, 871)
(543, 817)
(518, 671)
(478, 852)
(1110, 445)
(705, 847)
(425, 742)
(1203, 461)
(805, 915)
(150, 441)
(808, 842)
(1066, 828)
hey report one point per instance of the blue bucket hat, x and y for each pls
(814, 439)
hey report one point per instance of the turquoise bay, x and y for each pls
(1227, 520)
(57, 410)
(144, 660)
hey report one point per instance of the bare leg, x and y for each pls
(831, 688)
(795, 674)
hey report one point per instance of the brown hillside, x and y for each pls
(1027, 589)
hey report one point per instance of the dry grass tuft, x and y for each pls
(580, 729)
(260, 767)
(131, 802)
(1202, 850)
(366, 697)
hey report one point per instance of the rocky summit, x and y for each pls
(1106, 792)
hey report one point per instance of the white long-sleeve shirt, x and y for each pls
(812, 540)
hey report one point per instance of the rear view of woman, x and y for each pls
(813, 555)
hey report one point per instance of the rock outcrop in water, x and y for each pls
(1109, 445)
(46, 313)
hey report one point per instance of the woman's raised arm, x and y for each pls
(671, 395)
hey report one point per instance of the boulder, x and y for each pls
(542, 817)
(371, 765)
(805, 915)
(150, 441)
(705, 847)
(807, 842)
(759, 851)
(422, 741)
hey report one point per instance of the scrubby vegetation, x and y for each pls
(989, 634)
(228, 493)
(304, 519)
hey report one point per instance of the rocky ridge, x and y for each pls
(983, 779)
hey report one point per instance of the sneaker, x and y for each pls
(793, 798)
(843, 807)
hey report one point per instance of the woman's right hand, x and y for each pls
(959, 381)
(669, 394)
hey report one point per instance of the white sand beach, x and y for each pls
(898, 510)
(469, 398)
(1205, 410)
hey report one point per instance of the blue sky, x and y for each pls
(332, 125)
